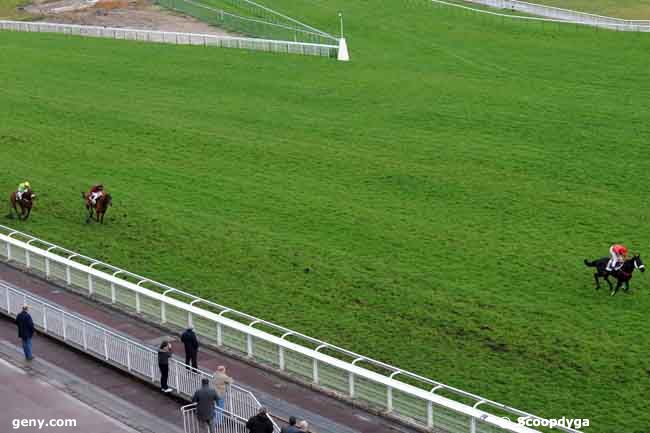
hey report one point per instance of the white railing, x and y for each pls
(108, 346)
(178, 38)
(350, 375)
(229, 422)
(556, 14)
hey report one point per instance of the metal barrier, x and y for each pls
(556, 14)
(229, 422)
(108, 346)
(350, 375)
(178, 38)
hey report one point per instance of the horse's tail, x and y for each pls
(109, 200)
(590, 264)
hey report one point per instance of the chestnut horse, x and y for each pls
(101, 206)
(25, 204)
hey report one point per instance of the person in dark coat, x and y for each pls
(260, 423)
(205, 399)
(191, 347)
(25, 331)
(164, 353)
(291, 428)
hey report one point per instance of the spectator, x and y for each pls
(25, 331)
(164, 353)
(291, 428)
(191, 347)
(220, 380)
(303, 426)
(205, 399)
(260, 423)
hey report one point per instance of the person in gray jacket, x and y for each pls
(205, 399)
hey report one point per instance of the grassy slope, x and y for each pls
(630, 9)
(444, 188)
(8, 9)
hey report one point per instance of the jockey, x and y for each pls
(21, 189)
(95, 192)
(617, 256)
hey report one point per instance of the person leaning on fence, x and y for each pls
(291, 428)
(25, 331)
(219, 381)
(164, 353)
(205, 399)
(303, 426)
(191, 344)
(260, 423)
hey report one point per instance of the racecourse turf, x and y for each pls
(629, 9)
(428, 204)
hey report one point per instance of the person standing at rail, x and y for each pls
(164, 353)
(25, 331)
(191, 344)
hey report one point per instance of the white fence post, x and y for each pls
(105, 345)
(128, 357)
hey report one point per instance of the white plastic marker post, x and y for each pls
(343, 56)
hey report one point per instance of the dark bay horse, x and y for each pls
(25, 204)
(99, 209)
(622, 275)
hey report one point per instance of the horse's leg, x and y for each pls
(597, 281)
(13, 211)
(609, 283)
(618, 286)
(89, 217)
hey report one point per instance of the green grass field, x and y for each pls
(443, 188)
(630, 9)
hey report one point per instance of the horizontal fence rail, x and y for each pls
(555, 14)
(229, 422)
(177, 38)
(396, 392)
(108, 346)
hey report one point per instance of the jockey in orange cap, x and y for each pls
(617, 256)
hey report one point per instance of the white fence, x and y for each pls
(108, 346)
(230, 422)
(347, 374)
(177, 38)
(553, 14)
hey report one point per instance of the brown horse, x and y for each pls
(99, 209)
(25, 204)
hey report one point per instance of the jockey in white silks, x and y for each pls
(617, 254)
(95, 192)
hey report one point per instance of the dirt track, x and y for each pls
(138, 14)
